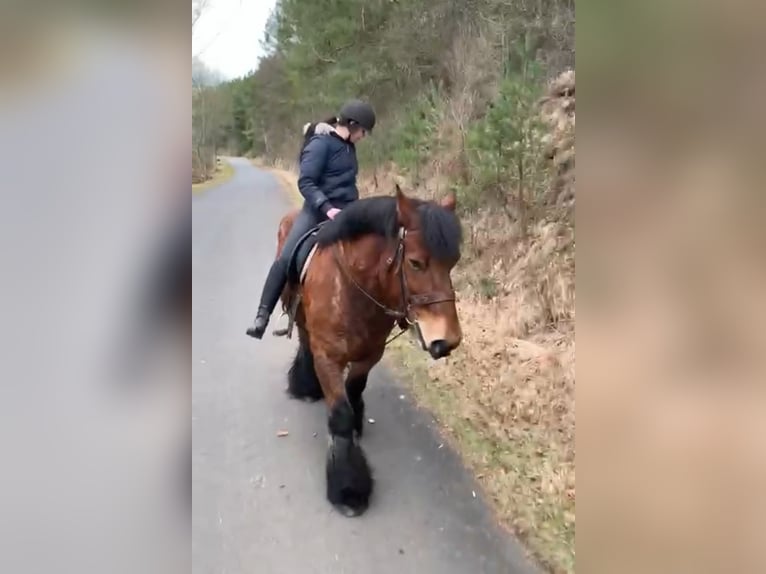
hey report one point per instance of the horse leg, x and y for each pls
(302, 382)
(349, 479)
(356, 382)
(355, 386)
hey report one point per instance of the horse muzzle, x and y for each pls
(439, 349)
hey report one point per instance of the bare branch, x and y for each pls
(323, 58)
(335, 52)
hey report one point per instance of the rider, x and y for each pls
(327, 182)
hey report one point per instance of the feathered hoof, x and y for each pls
(349, 478)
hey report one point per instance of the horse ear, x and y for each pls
(403, 207)
(449, 202)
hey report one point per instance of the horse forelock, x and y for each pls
(441, 230)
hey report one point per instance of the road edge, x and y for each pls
(222, 175)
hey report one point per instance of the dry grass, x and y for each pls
(558, 112)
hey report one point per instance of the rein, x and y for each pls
(407, 300)
(387, 310)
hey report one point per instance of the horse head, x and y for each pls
(430, 238)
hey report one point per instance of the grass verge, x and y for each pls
(517, 475)
(222, 175)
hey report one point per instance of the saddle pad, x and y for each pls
(305, 267)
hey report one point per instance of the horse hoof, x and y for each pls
(349, 479)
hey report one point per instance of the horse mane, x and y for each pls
(440, 227)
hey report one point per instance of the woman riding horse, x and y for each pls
(380, 261)
(328, 170)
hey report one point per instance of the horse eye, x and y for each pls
(416, 265)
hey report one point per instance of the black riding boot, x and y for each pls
(272, 290)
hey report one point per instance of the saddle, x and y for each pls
(300, 258)
(297, 266)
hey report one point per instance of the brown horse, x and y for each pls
(381, 261)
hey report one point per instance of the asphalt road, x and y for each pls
(259, 504)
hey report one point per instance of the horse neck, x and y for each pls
(366, 258)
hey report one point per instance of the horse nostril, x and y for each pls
(439, 349)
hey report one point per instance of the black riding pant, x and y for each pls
(306, 220)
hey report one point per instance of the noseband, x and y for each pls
(408, 301)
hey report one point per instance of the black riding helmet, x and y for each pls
(359, 112)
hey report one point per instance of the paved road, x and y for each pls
(259, 505)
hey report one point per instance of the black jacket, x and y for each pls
(328, 169)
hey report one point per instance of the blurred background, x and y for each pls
(95, 273)
(671, 418)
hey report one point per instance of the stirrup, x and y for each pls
(290, 312)
(284, 330)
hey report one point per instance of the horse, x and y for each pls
(382, 261)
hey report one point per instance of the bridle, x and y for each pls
(403, 315)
